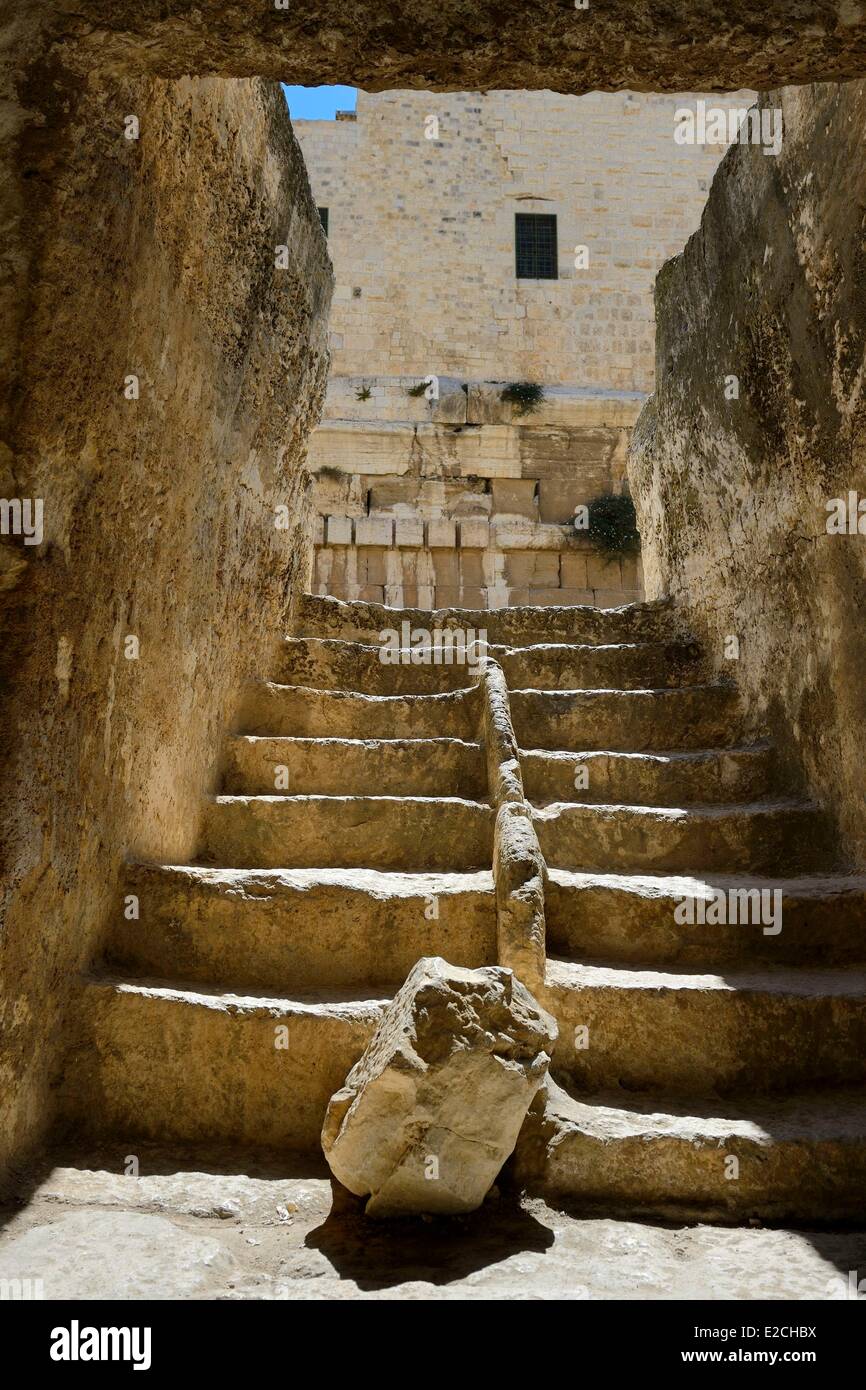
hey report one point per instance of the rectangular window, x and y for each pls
(323, 218)
(535, 246)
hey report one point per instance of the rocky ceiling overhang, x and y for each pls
(648, 45)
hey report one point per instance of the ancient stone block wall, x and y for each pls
(735, 493)
(468, 503)
(162, 575)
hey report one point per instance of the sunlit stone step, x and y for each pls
(651, 779)
(260, 766)
(618, 666)
(286, 929)
(695, 1034)
(300, 712)
(332, 664)
(443, 834)
(799, 1158)
(170, 1061)
(358, 621)
(631, 918)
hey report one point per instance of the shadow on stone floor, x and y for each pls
(155, 1160)
(436, 1250)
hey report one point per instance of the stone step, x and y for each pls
(801, 1158)
(629, 721)
(168, 1061)
(630, 919)
(770, 837)
(442, 834)
(618, 666)
(283, 930)
(332, 664)
(353, 767)
(357, 621)
(651, 779)
(769, 1030)
(301, 712)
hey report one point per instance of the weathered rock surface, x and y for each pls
(432, 1110)
(733, 491)
(162, 574)
(211, 1226)
(651, 45)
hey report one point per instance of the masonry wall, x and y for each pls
(472, 506)
(459, 500)
(422, 231)
(154, 258)
(734, 493)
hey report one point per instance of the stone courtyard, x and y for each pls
(240, 1231)
(407, 891)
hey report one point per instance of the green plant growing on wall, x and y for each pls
(525, 396)
(363, 393)
(613, 524)
(417, 390)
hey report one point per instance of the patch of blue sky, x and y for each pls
(318, 103)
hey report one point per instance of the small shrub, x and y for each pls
(363, 393)
(417, 390)
(525, 396)
(613, 524)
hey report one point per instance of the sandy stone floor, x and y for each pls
(88, 1232)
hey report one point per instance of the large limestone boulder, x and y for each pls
(432, 1110)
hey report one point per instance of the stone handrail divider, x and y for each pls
(519, 868)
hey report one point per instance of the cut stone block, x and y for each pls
(528, 535)
(432, 1110)
(573, 570)
(537, 569)
(441, 534)
(558, 497)
(338, 496)
(331, 566)
(603, 571)
(611, 598)
(338, 530)
(472, 569)
(446, 568)
(372, 565)
(386, 493)
(515, 497)
(374, 530)
(408, 532)
(450, 408)
(403, 567)
(472, 504)
(486, 406)
(474, 533)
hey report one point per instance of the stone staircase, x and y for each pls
(702, 1071)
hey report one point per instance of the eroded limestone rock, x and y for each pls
(161, 508)
(757, 425)
(432, 1110)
